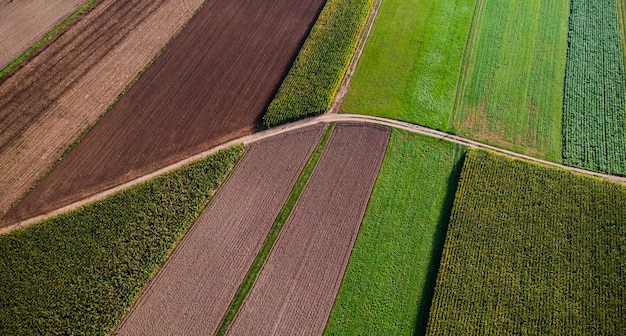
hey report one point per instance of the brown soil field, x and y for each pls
(211, 85)
(296, 288)
(192, 291)
(24, 22)
(61, 91)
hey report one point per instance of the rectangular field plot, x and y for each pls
(295, 290)
(511, 90)
(531, 250)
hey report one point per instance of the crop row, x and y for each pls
(531, 250)
(314, 78)
(594, 121)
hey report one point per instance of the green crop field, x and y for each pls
(387, 287)
(531, 250)
(410, 65)
(594, 119)
(80, 272)
(511, 91)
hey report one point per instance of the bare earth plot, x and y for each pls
(193, 290)
(47, 103)
(211, 85)
(295, 291)
(24, 22)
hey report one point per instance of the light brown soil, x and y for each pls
(295, 291)
(192, 291)
(46, 104)
(24, 22)
(211, 85)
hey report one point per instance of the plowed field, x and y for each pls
(295, 291)
(193, 290)
(24, 22)
(46, 104)
(211, 85)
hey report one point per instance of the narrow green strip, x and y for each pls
(45, 39)
(258, 263)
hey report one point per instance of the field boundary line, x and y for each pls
(325, 118)
(356, 57)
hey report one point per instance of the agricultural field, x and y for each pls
(531, 249)
(410, 65)
(25, 22)
(295, 290)
(194, 289)
(60, 92)
(388, 284)
(80, 272)
(211, 85)
(594, 115)
(511, 90)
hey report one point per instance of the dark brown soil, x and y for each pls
(211, 85)
(192, 292)
(295, 291)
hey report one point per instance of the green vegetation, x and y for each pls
(409, 68)
(80, 272)
(4, 72)
(531, 250)
(594, 119)
(388, 284)
(316, 74)
(260, 259)
(511, 92)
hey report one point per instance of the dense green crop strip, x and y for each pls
(594, 119)
(316, 74)
(531, 250)
(4, 72)
(388, 284)
(80, 272)
(259, 261)
(511, 93)
(410, 65)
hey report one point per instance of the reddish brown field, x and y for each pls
(211, 85)
(192, 291)
(24, 22)
(295, 291)
(46, 104)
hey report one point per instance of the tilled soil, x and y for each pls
(211, 85)
(24, 22)
(47, 103)
(193, 290)
(295, 291)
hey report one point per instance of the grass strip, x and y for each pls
(315, 77)
(4, 72)
(259, 261)
(80, 272)
(388, 284)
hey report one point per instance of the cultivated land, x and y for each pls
(594, 116)
(297, 286)
(24, 22)
(409, 68)
(193, 291)
(211, 85)
(531, 249)
(80, 272)
(390, 278)
(46, 104)
(511, 90)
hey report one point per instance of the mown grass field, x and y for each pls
(531, 250)
(410, 65)
(594, 115)
(387, 286)
(511, 91)
(80, 272)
